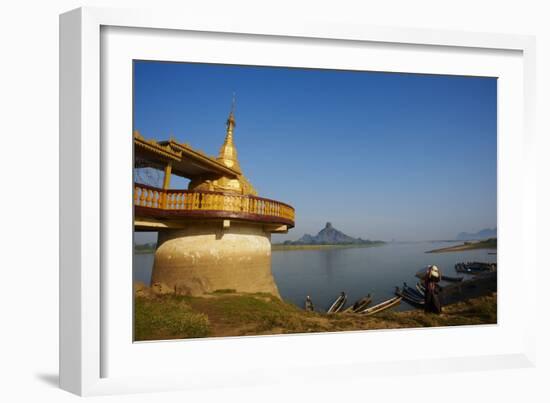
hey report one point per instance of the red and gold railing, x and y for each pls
(210, 203)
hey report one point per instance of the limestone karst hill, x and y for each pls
(329, 236)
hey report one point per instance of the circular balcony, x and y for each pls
(162, 205)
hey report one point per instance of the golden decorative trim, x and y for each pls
(184, 200)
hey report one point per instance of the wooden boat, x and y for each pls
(338, 305)
(412, 299)
(382, 306)
(309, 305)
(359, 305)
(482, 266)
(413, 291)
(413, 294)
(475, 267)
(362, 304)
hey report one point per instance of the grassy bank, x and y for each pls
(486, 244)
(227, 313)
(279, 247)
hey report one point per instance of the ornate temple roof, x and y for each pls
(186, 161)
(207, 173)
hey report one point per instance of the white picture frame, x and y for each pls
(85, 304)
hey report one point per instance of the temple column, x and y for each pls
(166, 181)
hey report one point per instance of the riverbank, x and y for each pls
(226, 313)
(469, 245)
(144, 249)
(280, 247)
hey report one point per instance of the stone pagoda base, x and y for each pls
(205, 257)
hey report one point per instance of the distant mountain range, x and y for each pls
(483, 234)
(329, 236)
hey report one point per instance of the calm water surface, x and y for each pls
(323, 274)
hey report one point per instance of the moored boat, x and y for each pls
(338, 305)
(382, 306)
(408, 296)
(475, 267)
(413, 291)
(359, 305)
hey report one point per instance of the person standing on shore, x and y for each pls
(309, 304)
(431, 297)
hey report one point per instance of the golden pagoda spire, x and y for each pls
(228, 152)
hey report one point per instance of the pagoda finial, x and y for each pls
(228, 152)
(231, 119)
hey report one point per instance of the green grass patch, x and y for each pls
(254, 313)
(166, 317)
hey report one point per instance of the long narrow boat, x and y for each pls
(482, 266)
(413, 291)
(421, 289)
(382, 306)
(359, 305)
(475, 267)
(412, 299)
(362, 304)
(338, 305)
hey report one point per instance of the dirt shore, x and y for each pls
(226, 313)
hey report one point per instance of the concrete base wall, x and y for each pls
(204, 257)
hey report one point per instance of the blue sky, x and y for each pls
(380, 155)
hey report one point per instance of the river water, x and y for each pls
(323, 274)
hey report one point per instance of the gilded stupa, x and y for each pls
(228, 157)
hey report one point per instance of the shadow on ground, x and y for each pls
(50, 379)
